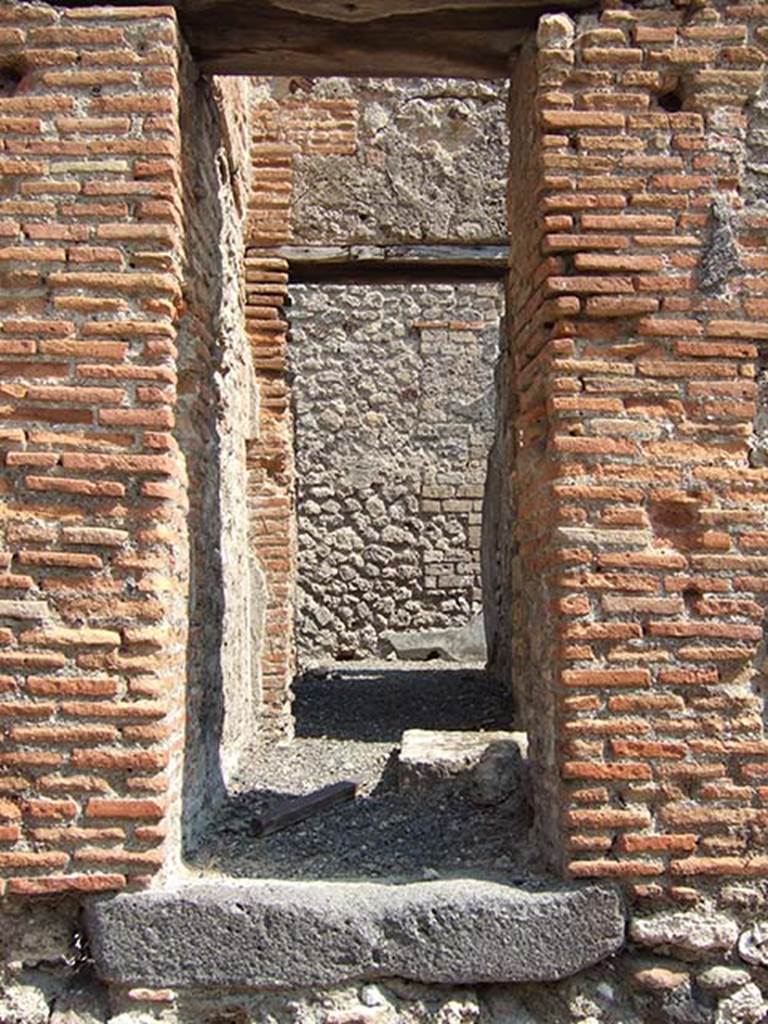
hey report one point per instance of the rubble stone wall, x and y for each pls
(393, 395)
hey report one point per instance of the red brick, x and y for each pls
(145, 809)
(46, 884)
(609, 818)
(49, 808)
(607, 677)
(742, 867)
(648, 749)
(632, 842)
(596, 771)
(67, 734)
(615, 868)
(20, 859)
(68, 485)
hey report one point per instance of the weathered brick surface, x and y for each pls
(215, 417)
(636, 583)
(93, 586)
(271, 483)
(100, 280)
(640, 486)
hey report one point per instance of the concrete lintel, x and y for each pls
(267, 934)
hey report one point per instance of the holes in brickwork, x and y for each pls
(11, 77)
(671, 99)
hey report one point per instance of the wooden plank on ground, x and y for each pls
(296, 809)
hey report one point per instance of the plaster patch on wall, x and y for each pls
(409, 160)
(216, 410)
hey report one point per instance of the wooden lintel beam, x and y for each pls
(315, 38)
(401, 264)
(247, 37)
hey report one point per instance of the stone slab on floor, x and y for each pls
(430, 758)
(459, 643)
(253, 935)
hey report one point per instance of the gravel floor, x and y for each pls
(349, 721)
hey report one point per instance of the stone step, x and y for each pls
(488, 766)
(267, 934)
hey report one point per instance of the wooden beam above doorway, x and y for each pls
(401, 38)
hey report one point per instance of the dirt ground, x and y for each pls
(350, 718)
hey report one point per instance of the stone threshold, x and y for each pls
(262, 934)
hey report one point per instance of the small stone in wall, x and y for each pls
(680, 1006)
(505, 1006)
(753, 944)
(556, 32)
(687, 935)
(498, 774)
(82, 1005)
(720, 257)
(372, 1016)
(371, 995)
(743, 897)
(722, 979)
(140, 1017)
(72, 1016)
(746, 1006)
(659, 979)
(23, 1004)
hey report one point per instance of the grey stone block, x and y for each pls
(489, 765)
(461, 643)
(252, 934)
(689, 935)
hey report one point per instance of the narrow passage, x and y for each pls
(350, 719)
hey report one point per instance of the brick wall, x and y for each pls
(638, 326)
(95, 280)
(638, 308)
(271, 484)
(93, 609)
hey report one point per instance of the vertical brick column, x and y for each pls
(648, 321)
(271, 484)
(281, 130)
(92, 606)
